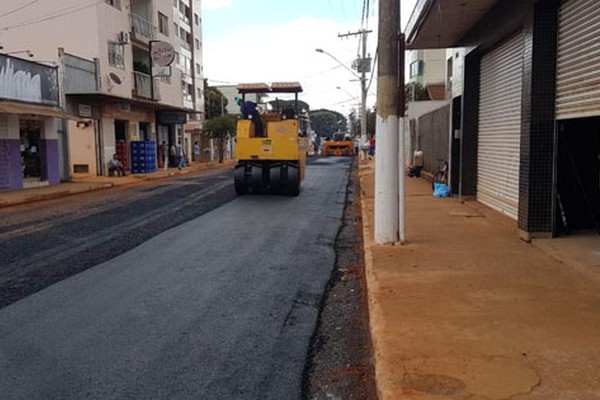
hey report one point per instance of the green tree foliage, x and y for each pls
(220, 128)
(284, 104)
(215, 103)
(416, 92)
(354, 118)
(328, 122)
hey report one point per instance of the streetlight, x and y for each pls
(347, 92)
(363, 89)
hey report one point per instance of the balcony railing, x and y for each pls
(142, 86)
(141, 28)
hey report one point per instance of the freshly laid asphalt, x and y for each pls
(464, 309)
(220, 307)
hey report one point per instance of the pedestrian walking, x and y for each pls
(180, 154)
(164, 154)
(196, 152)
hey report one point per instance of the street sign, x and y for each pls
(161, 71)
(161, 53)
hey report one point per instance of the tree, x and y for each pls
(220, 128)
(355, 121)
(283, 104)
(215, 103)
(416, 92)
(328, 122)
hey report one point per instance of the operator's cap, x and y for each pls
(237, 101)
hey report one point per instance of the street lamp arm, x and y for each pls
(338, 61)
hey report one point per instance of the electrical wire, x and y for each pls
(19, 8)
(57, 14)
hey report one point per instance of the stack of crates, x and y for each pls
(143, 157)
(121, 150)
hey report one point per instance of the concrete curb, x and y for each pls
(376, 319)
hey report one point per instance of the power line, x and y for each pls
(57, 14)
(19, 8)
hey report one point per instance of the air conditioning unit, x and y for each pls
(124, 38)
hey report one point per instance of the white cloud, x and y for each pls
(286, 52)
(216, 4)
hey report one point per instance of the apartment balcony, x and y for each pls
(142, 30)
(188, 101)
(142, 88)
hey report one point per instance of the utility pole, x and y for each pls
(362, 65)
(387, 163)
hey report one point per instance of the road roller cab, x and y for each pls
(272, 157)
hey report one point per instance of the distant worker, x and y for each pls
(249, 111)
(372, 146)
(357, 145)
(180, 153)
(115, 165)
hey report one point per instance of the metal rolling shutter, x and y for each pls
(500, 127)
(578, 74)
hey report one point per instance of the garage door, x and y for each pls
(578, 74)
(500, 127)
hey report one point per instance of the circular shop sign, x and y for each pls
(162, 54)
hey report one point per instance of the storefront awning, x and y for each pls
(10, 107)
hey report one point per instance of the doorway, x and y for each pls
(578, 175)
(455, 144)
(30, 132)
(122, 143)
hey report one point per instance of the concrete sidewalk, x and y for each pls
(90, 183)
(466, 310)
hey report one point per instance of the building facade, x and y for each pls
(525, 137)
(32, 139)
(103, 51)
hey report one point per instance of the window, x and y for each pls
(196, 19)
(197, 43)
(116, 55)
(114, 3)
(176, 29)
(416, 68)
(199, 93)
(176, 58)
(197, 68)
(163, 24)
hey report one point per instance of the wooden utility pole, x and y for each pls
(387, 163)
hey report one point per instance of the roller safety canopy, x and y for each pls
(275, 87)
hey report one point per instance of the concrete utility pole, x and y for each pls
(387, 167)
(362, 65)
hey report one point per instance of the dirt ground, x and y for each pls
(466, 310)
(340, 363)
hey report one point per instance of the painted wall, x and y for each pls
(44, 38)
(82, 147)
(10, 153)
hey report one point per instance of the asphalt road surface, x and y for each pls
(220, 307)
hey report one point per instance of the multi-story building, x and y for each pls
(427, 68)
(103, 50)
(187, 22)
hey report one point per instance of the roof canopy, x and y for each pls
(439, 24)
(275, 87)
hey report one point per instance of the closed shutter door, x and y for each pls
(578, 74)
(500, 127)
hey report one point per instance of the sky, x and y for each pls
(275, 40)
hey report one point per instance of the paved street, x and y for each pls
(220, 307)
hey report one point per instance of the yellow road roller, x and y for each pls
(271, 145)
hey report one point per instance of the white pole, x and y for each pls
(401, 189)
(386, 180)
(388, 104)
